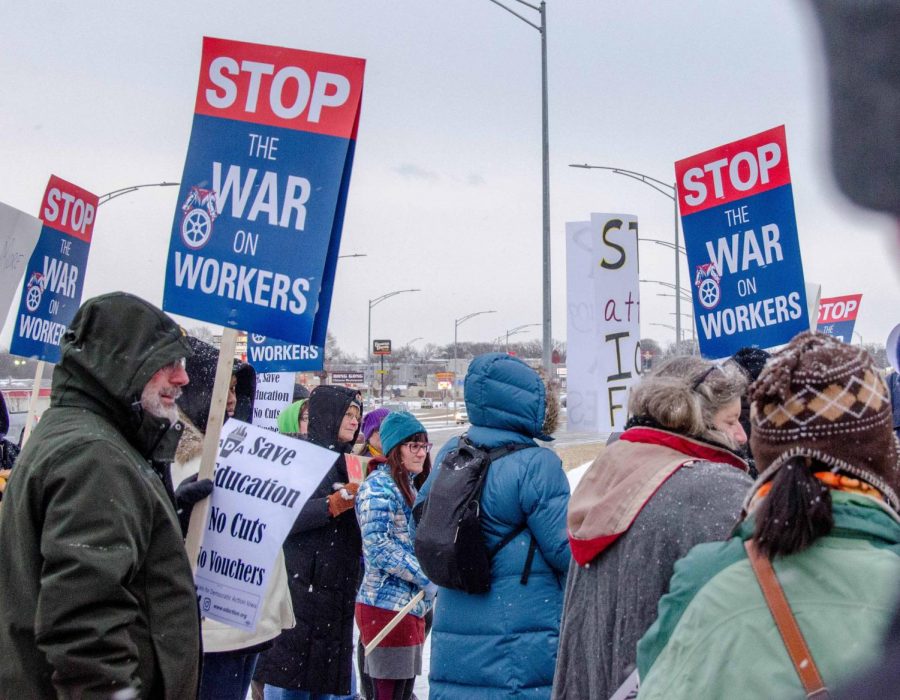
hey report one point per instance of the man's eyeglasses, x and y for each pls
(175, 366)
(419, 446)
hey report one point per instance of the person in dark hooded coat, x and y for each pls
(323, 553)
(98, 598)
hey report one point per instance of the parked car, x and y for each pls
(427, 403)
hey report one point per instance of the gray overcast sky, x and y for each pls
(446, 186)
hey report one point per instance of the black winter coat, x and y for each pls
(323, 557)
(97, 591)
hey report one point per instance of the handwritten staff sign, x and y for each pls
(255, 236)
(740, 233)
(262, 481)
(604, 355)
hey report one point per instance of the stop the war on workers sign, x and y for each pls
(740, 232)
(54, 278)
(837, 316)
(262, 481)
(256, 232)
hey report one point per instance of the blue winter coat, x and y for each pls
(502, 644)
(393, 575)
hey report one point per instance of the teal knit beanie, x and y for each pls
(396, 427)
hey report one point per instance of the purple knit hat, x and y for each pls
(372, 421)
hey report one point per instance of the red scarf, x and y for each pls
(623, 479)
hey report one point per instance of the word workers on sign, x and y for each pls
(54, 277)
(264, 188)
(740, 234)
(272, 355)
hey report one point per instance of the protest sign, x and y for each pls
(255, 237)
(262, 480)
(274, 391)
(740, 233)
(837, 316)
(272, 355)
(54, 277)
(603, 316)
(18, 235)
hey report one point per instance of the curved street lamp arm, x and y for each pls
(666, 244)
(378, 300)
(519, 329)
(104, 198)
(462, 320)
(634, 174)
(513, 12)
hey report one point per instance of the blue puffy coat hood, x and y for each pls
(504, 393)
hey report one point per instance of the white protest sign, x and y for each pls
(262, 480)
(274, 391)
(582, 383)
(18, 236)
(603, 351)
(618, 306)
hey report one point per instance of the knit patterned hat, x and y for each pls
(398, 426)
(372, 421)
(823, 399)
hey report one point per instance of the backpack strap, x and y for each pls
(787, 625)
(497, 453)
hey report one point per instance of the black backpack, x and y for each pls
(450, 545)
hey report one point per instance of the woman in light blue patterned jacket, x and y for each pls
(393, 576)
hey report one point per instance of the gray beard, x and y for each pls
(152, 404)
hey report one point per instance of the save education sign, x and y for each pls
(740, 233)
(255, 237)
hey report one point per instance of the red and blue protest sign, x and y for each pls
(740, 234)
(271, 355)
(255, 237)
(837, 316)
(54, 278)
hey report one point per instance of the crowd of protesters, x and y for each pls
(740, 538)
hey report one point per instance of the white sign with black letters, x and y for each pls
(262, 481)
(274, 392)
(603, 320)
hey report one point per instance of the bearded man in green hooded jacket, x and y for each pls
(97, 598)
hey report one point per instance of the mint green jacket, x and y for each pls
(715, 637)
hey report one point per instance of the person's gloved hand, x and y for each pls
(342, 499)
(189, 493)
(431, 591)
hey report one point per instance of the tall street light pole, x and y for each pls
(667, 190)
(517, 329)
(541, 9)
(456, 324)
(375, 302)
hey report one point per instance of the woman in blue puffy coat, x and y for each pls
(502, 644)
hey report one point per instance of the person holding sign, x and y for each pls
(393, 575)
(98, 596)
(322, 552)
(229, 653)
